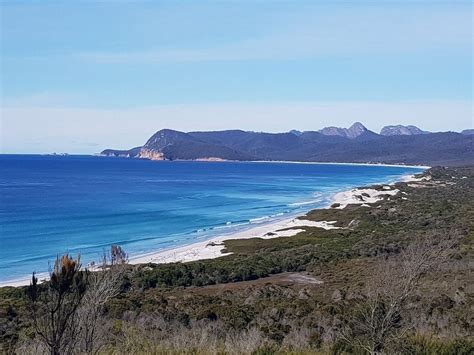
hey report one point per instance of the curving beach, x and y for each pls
(287, 227)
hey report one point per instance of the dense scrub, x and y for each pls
(380, 231)
(256, 301)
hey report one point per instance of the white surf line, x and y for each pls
(213, 247)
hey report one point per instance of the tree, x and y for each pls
(117, 255)
(54, 304)
(377, 320)
(102, 286)
(68, 309)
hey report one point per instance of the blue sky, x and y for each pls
(81, 76)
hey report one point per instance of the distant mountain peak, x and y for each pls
(352, 132)
(356, 130)
(400, 130)
(358, 125)
(164, 138)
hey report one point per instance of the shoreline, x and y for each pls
(214, 160)
(334, 163)
(218, 160)
(212, 248)
(283, 227)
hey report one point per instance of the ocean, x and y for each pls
(51, 205)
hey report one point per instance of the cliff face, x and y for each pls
(146, 153)
(138, 152)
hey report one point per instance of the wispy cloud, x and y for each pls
(378, 31)
(41, 99)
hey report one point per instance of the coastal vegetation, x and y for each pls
(395, 278)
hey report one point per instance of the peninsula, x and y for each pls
(394, 145)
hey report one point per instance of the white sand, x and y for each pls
(212, 248)
(333, 163)
(412, 178)
(355, 197)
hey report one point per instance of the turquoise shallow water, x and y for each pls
(82, 204)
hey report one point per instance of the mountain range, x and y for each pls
(356, 144)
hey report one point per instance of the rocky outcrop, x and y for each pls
(151, 154)
(352, 132)
(131, 153)
(400, 130)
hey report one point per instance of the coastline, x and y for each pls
(334, 163)
(288, 227)
(219, 160)
(213, 247)
(280, 228)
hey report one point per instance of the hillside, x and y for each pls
(356, 144)
(309, 293)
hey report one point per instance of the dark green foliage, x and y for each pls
(379, 232)
(230, 269)
(446, 148)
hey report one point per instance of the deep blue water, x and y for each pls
(51, 204)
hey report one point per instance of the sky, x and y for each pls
(82, 76)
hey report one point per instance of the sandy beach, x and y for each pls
(334, 163)
(214, 247)
(282, 228)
